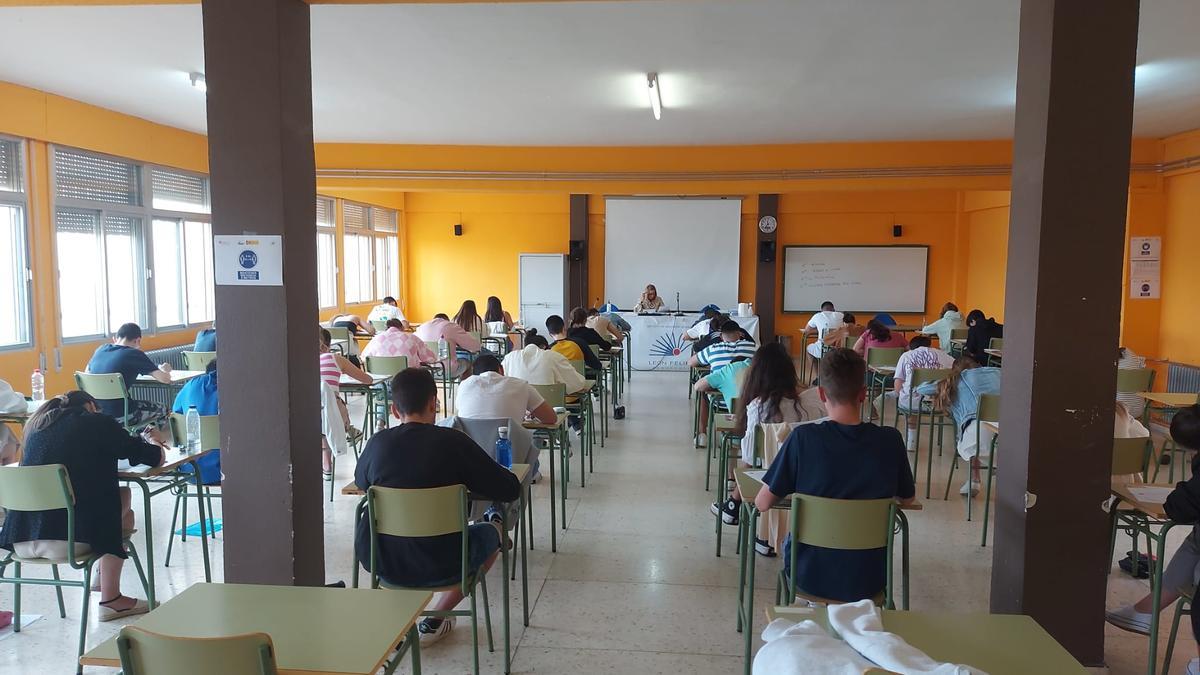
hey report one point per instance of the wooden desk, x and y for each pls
(1169, 399)
(994, 643)
(557, 435)
(178, 377)
(907, 328)
(337, 631)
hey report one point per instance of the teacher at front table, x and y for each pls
(649, 302)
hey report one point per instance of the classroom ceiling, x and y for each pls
(732, 72)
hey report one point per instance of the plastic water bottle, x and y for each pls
(193, 431)
(443, 348)
(37, 385)
(504, 449)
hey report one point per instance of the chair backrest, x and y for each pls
(386, 365)
(339, 333)
(884, 356)
(102, 386)
(379, 326)
(1133, 380)
(210, 431)
(958, 333)
(595, 349)
(923, 375)
(989, 408)
(996, 343)
(44, 487)
(553, 394)
(433, 346)
(197, 360)
(843, 524)
(425, 512)
(579, 367)
(1130, 455)
(146, 653)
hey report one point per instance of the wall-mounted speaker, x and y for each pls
(897, 230)
(458, 230)
(766, 251)
(578, 250)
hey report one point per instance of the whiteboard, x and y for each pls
(855, 278)
(681, 245)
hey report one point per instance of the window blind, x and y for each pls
(75, 221)
(354, 216)
(383, 220)
(325, 212)
(81, 175)
(178, 191)
(10, 168)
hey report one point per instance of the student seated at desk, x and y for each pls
(394, 341)
(703, 327)
(726, 379)
(580, 332)
(649, 301)
(841, 458)
(490, 394)
(125, 356)
(950, 321)
(418, 454)
(386, 311)
(824, 321)
(919, 355)
(71, 430)
(333, 366)
(604, 327)
(353, 323)
(206, 339)
(468, 317)
(536, 363)
(878, 335)
(10, 402)
(958, 396)
(572, 348)
(733, 343)
(980, 331)
(202, 392)
(457, 341)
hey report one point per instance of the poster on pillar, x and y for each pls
(255, 260)
(1145, 279)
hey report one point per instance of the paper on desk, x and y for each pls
(757, 474)
(1149, 495)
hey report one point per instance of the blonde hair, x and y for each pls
(947, 388)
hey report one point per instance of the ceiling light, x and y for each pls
(655, 95)
(198, 81)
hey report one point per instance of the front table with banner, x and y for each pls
(658, 339)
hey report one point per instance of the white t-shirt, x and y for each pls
(823, 322)
(700, 329)
(806, 408)
(385, 312)
(543, 366)
(492, 395)
(921, 357)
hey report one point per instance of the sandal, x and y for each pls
(110, 614)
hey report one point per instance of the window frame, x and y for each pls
(330, 229)
(20, 200)
(374, 236)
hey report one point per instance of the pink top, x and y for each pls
(455, 336)
(865, 342)
(395, 342)
(330, 373)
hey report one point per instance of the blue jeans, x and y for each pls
(482, 541)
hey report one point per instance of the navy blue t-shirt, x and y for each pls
(206, 340)
(827, 459)
(127, 361)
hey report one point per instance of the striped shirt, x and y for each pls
(330, 373)
(721, 353)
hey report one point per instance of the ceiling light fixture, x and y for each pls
(198, 81)
(655, 95)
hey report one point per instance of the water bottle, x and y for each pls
(193, 431)
(37, 384)
(443, 348)
(504, 449)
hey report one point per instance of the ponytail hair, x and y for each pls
(532, 338)
(56, 407)
(947, 388)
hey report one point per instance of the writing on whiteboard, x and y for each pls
(820, 275)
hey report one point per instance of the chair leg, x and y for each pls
(17, 597)
(487, 613)
(62, 608)
(474, 634)
(950, 478)
(137, 565)
(1171, 641)
(83, 617)
(987, 498)
(171, 539)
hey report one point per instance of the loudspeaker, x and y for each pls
(577, 250)
(458, 230)
(897, 230)
(766, 251)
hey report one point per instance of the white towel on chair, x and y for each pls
(861, 627)
(332, 425)
(805, 649)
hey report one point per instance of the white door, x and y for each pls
(543, 288)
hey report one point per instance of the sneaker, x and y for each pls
(433, 629)
(1193, 667)
(763, 548)
(701, 440)
(1128, 618)
(728, 511)
(492, 515)
(911, 441)
(971, 486)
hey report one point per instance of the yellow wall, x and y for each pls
(987, 256)
(1178, 339)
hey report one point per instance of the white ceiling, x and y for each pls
(749, 71)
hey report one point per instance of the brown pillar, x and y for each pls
(1070, 180)
(260, 136)
(577, 270)
(766, 281)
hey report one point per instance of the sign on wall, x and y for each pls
(255, 260)
(1145, 273)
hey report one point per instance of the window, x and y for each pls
(198, 258)
(100, 271)
(372, 252)
(326, 254)
(16, 322)
(183, 272)
(387, 253)
(178, 191)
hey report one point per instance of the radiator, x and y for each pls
(161, 395)
(1183, 378)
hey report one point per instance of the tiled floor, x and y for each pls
(634, 587)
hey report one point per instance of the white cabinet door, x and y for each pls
(543, 288)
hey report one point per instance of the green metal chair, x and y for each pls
(210, 437)
(441, 377)
(924, 411)
(880, 357)
(1130, 456)
(1186, 597)
(956, 334)
(105, 387)
(387, 366)
(842, 524)
(582, 406)
(555, 395)
(428, 512)
(146, 653)
(602, 388)
(48, 488)
(197, 360)
(988, 411)
(997, 344)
